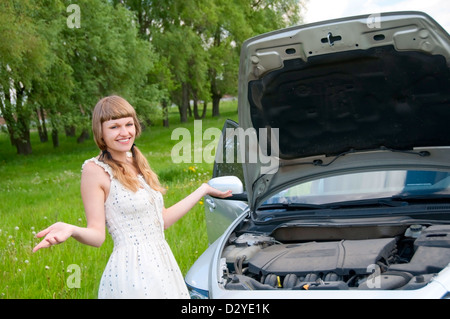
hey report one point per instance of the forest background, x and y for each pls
(59, 57)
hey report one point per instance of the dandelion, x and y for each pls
(192, 169)
(16, 228)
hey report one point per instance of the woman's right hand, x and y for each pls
(55, 234)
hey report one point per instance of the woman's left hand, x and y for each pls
(209, 190)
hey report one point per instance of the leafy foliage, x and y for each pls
(154, 53)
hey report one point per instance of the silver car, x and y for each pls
(340, 165)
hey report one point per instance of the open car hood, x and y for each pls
(350, 94)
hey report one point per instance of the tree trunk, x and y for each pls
(39, 126)
(23, 145)
(216, 102)
(216, 95)
(8, 117)
(205, 104)
(23, 142)
(83, 136)
(17, 124)
(55, 138)
(184, 103)
(165, 109)
(196, 116)
(42, 129)
(70, 130)
(44, 126)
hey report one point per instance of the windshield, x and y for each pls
(366, 185)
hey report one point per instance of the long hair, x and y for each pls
(112, 108)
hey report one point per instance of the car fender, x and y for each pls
(444, 278)
(198, 274)
(204, 270)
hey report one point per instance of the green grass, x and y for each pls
(40, 189)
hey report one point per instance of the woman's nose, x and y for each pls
(123, 130)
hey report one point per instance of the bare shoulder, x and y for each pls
(95, 182)
(95, 185)
(89, 167)
(92, 172)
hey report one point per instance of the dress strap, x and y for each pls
(103, 165)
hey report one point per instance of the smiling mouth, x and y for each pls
(124, 141)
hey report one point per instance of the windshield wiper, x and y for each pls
(369, 202)
(400, 200)
(422, 197)
(291, 206)
(348, 204)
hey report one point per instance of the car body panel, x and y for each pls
(219, 214)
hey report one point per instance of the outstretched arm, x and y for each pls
(178, 210)
(93, 183)
(60, 232)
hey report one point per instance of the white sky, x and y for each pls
(319, 10)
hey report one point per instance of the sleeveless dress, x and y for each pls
(141, 264)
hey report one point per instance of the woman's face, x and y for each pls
(119, 134)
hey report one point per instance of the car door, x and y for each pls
(220, 213)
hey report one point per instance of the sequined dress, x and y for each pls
(141, 264)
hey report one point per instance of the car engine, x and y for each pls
(406, 261)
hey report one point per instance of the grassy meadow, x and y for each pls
(43, 188)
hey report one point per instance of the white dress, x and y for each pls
(141, 264)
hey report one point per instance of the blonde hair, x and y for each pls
(112, 108)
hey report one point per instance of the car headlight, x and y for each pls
(197, 293)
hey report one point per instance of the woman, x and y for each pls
(119, 189)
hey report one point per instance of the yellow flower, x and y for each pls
(192, 168)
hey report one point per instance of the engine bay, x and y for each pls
(408, 258)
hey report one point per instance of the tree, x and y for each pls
(107, 57)
(238, 21)
(59, 72)
(24, 58)
(201, 39)
(151, 52)
(176, 33)
(50, 95)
